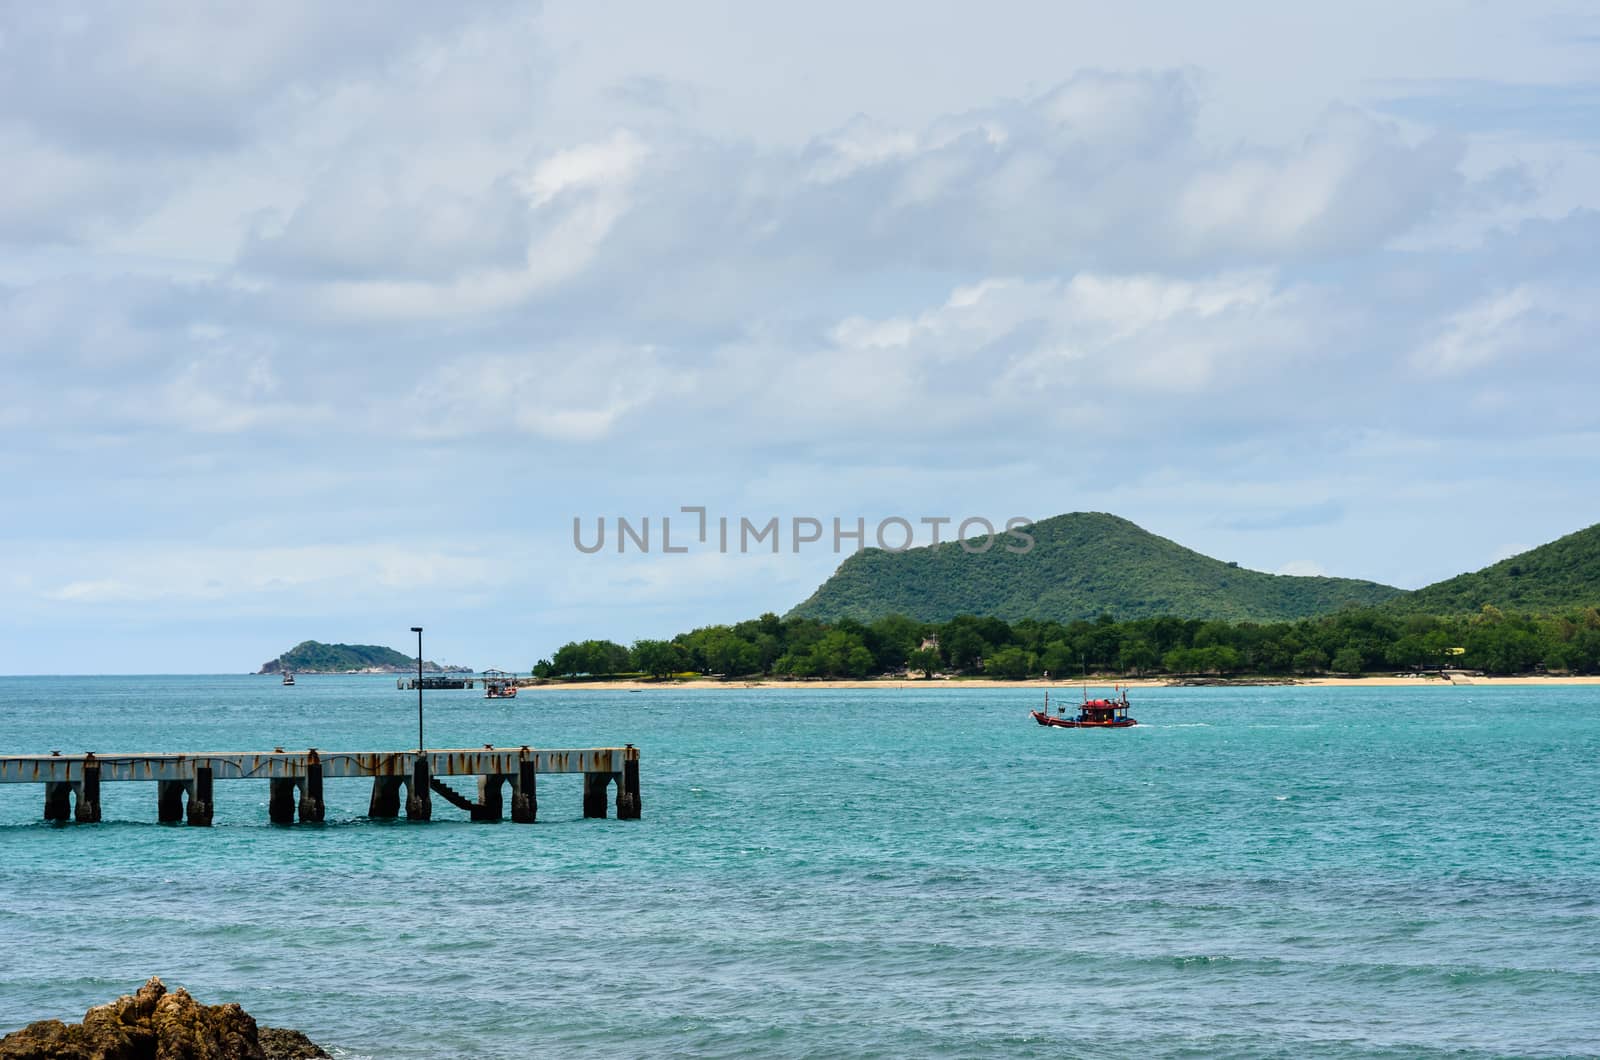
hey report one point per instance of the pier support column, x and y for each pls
(385, 802)
(419, 803)
(58, 800)
(169, 799)
(594, 794)
(525, 794)
(312, 809)
(89, 794)
(200, 804)
(280, 801)
(491, 801)
(628, 792)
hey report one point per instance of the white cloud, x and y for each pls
(1551, 322)
(554, 225)
(169, 76)
(858, 144)
(161, 572)
(1018, 340)
(1487, 330)
(1124, 114)
(1353, 183)
(558, 395)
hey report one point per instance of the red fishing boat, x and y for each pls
(1092, 713)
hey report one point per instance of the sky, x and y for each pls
(322, 321)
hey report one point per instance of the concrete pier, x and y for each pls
(185, 783)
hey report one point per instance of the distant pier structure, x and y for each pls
(435, 682)
(185, 783)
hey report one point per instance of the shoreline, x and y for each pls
(1461, 681)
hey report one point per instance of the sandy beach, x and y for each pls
(1454, 681)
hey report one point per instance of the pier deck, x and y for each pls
(189, 778)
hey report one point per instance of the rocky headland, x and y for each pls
(158, 1024)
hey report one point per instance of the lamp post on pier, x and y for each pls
(418, 631)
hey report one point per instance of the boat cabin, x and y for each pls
(1101, 711)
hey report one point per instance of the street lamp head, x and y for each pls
(416, 629)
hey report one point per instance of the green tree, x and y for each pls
(1060, 660)
(589, 657)
(658, 658)
(1347, 660)
(1138, 655)
(1310, 661)
(1009, 663)
(892, 639)
(926, 660)
(961, 643)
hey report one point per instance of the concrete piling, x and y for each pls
(89, 793)
(419, 803)
(200, 798)
(385, 803)
(628, 808)
(58, 800)
(281, 793)
(491, 800)
(312, 808)
(525, 793)
(169, 800)
(594, 794)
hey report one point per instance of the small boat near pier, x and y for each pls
(498, 684)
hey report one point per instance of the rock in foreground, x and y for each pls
(156, 1025)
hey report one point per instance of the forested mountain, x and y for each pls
(1081, 565)
(1563, 574)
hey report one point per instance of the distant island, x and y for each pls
(314, 657)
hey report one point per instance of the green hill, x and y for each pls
(1556, 577)
(1081, 565)
(312, 656)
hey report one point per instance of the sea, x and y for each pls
(913, 871)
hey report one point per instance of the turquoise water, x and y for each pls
(1251, 872)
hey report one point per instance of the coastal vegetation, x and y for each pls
(315, 657)
(1353, 641)
(1079, 566)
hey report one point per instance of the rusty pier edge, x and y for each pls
(185, 783)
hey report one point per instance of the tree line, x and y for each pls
(1349, 642)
